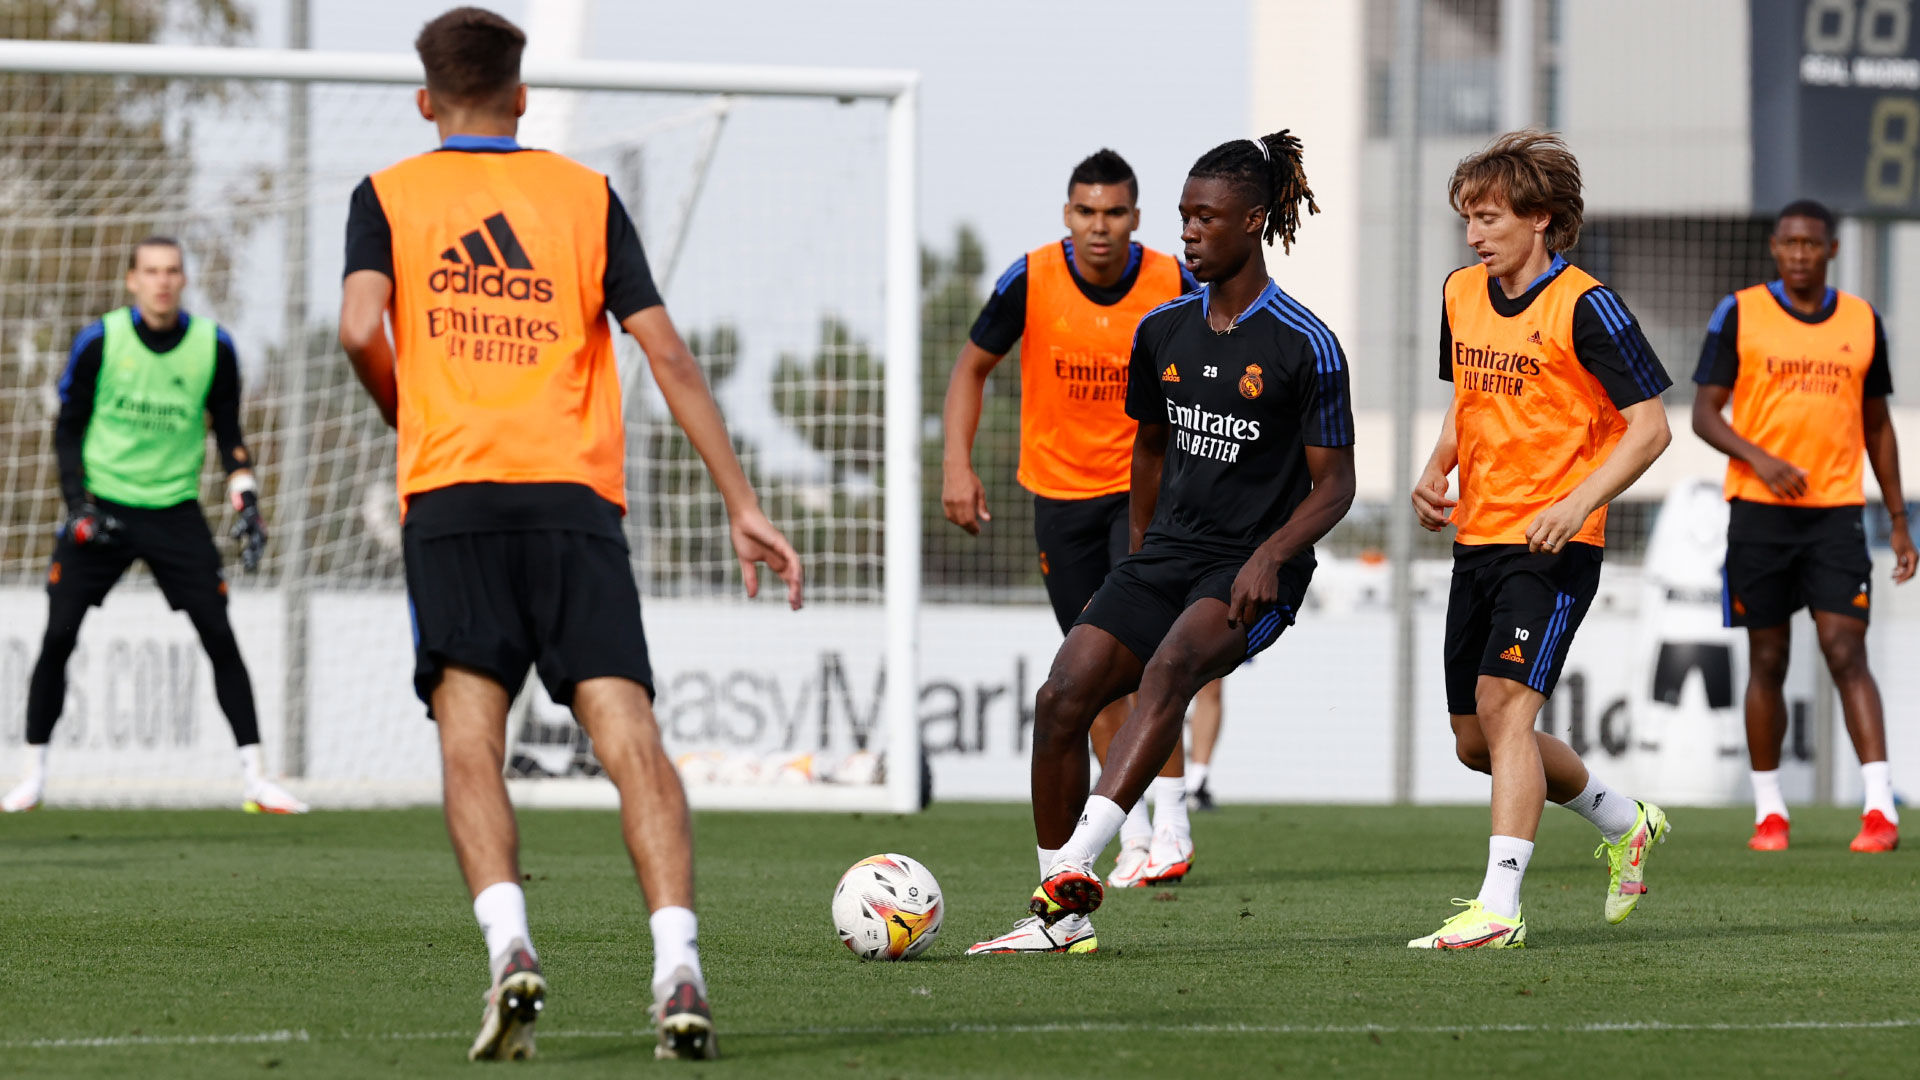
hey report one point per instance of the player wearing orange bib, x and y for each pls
(1073, 305)
(1805, 367)
(1556, 411)
(498, 267)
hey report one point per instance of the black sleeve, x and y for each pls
(1326, 402)
(1004, 318)
(1446, 335)
(1610, 345)
(1879, 381)
(369, 235)
(77, 386)
(1145, 402)
(627, 287)
(223, 406)
(1720, 353)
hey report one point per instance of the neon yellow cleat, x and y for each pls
(1476, 928)
(1627, 861)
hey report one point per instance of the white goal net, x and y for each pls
(776, 209)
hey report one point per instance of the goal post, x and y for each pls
(804, 301)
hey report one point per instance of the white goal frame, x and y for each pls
(899, 89)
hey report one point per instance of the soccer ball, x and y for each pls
(887, 907)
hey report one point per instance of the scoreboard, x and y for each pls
(1836, 105)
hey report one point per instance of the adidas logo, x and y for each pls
(1535, 338)
(1513, 653)
(1510, 864)
(479, 268)
(1170, 375)
(1846, 346)
(1599, 798)
(1061, 324)
(1860, 599)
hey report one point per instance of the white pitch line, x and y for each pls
(1601, 1027)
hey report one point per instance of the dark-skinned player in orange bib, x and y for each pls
(1073, 305)
(1243, 460)
(1556, 410)
(499, 266)
(1805, 367)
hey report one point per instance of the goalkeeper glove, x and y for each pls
(89, 526)
(250, 530)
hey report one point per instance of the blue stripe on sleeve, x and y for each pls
(1013, 273)
(1631, 343)
(93, 332)
(1720, 313)
(1335, 411)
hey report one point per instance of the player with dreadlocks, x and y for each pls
(1244, 459)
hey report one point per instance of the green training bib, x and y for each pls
(147, 440)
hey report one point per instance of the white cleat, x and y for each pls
(513, 1005)
(1126, 869)
(267, 797)
(1069, 934)
(1169, 858)
(25, 796)
(683, 1020)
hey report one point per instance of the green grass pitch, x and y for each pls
(341, 944)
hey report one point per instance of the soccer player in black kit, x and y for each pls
(1243, 460)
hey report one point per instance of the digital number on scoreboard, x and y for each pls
(1836, 105)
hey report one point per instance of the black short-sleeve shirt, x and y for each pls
(1607, 339)
(1720, 355)
(1003, 320)
(626, 285)
(1243, 404)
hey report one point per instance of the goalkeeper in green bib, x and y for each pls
(140, 388)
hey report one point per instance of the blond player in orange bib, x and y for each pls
(1805, 368)
(498, 266)
(1072, 306)
(1556, 411)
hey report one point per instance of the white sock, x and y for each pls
(1169, 795)
(37, 763)
(501, 909)
(253, 763)
(676, 943)
(1048, 856)
(1611, 812)
(1878, 776)
(1137, 830)
(1766, 796)
(1098, 824)
(1196, 775)
(1507, 858)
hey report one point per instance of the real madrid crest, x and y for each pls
(1250, 384)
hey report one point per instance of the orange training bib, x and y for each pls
(1799, 397)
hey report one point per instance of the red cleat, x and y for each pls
(1770, 834)
(1876, 833)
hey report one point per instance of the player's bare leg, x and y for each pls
(618, 716)
(1843, 643)
(1091, 671)
(471, 710)
(1200, 646)
(1768, 648)
(1204, 722)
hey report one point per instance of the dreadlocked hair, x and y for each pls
(1276, 179)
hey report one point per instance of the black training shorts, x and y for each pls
(1783, 558)
(173, 541)
(1081, 540)
(559, 601)
(1154, 586)
(1512, 614)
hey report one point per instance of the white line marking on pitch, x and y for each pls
(1603, 1027)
